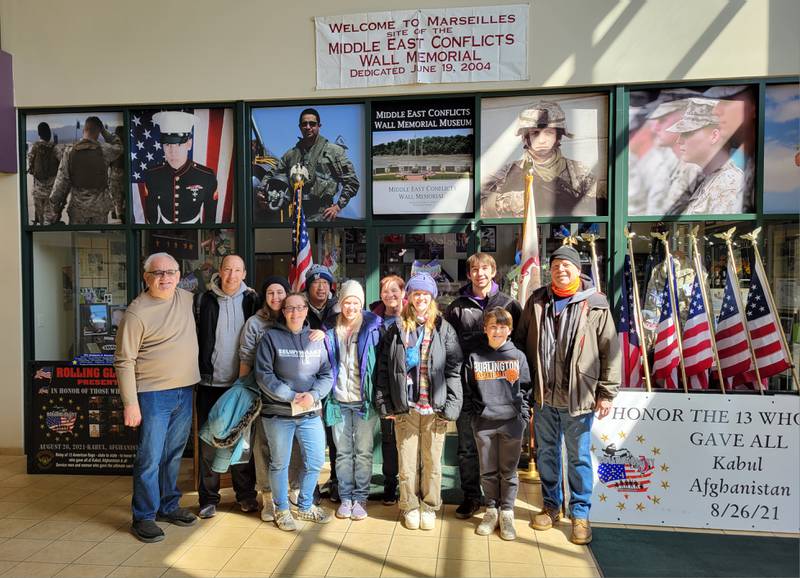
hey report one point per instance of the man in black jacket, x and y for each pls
(221, 313)
(465, 314)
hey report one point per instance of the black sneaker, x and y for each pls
(389, 496)
(147, 531)
(468, 509)
(179, 517)
(333, 493)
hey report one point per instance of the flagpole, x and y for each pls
(676, 318)
(701, 281)
(590, 238)
(753, 238)
(638, 312)
(727, 236)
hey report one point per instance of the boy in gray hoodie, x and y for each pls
(496, 394)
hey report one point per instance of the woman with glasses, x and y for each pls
(294, 375)
(419, 383)
(350, 409)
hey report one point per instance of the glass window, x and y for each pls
(199, 252)
(80, 292)
(782, 149)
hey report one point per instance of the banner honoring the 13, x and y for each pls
(470, 44)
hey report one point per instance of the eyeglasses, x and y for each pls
(163, 272)
(296, 309)
(311, 123)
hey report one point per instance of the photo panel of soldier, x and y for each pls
(561, 140)
(182, 166)
(321, 148)
(692, 151)
(423, 156)
(75, 165)
(782, 149)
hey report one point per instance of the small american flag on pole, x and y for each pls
(697, 353)
(301, 246)
(734, 353)
(667, 356)
(770, 354)
(629, 337)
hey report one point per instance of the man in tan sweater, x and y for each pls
(156, 365)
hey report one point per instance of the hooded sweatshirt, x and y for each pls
(498, 382)
(289, 363)
(465, 314)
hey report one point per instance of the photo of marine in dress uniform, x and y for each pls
(180, 191)
(562, 184)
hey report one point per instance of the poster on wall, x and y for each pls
(692, 151)
(323, 146)
(562, 140)
(782, 149)
(76, 422)
(182, 166)
(698, 461)
(75, 168)
(469, 44)
(422, 156)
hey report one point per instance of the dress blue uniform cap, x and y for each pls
(175, 126)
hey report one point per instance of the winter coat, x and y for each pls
(444, 373)
(326, 316)
(465, 314)
(367, 345)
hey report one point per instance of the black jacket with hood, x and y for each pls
(465, 314)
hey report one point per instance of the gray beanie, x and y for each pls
(566, 253)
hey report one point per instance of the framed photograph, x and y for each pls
(182, 166)
(488, 239)
(782, 149)
(322, 148)
(562, 139)
(692, 151)
(75, 186)
(422, 157)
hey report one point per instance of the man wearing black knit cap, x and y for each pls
(569, 337)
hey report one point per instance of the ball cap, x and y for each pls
(175, 126)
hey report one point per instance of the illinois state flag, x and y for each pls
(771, 357)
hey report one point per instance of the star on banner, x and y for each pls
(621, 506)
(656, 499)
(664, 468)
(602, 497)
(656, 451)
(604, 437)
(640, 507)
(593, 448)
(621, 435)
(640, 439)
(665, 484)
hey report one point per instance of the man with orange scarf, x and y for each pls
(570, 339)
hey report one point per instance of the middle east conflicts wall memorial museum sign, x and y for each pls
(477, 44)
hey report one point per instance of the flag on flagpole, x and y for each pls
(734, 352)
(628, 336)
(667, 357)
(301, 246)
(770, 354)
(698, 356)
(530, 276)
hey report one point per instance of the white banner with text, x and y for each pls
(434, 45)
(699, 461)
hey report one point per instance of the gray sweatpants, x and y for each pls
(499, 445)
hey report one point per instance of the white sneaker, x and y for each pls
(489, 522)
(411, 519)
(267, 508)
(507, 530)
(427, 520)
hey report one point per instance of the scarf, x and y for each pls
(569, 290)
(550, 169)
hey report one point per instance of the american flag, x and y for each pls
(61, 421)
(45, 373)
(734, 353)
(628, 336)
(697, 352)
(530, 277)
(301, 247)
(625, 477)
(212, 146)
(667, 357)
(770, 354)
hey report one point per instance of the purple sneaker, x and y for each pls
(359, 511)
(345, 509)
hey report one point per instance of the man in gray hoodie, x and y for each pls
(221, 313)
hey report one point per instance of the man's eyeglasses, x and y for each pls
(163, 272)
(297, 309)
(311, 123)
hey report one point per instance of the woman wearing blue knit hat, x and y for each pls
(419, 384)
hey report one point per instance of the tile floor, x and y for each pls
(78, 526)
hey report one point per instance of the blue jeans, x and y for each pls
(166, 421)
(550, 425)
(353, 437)
(310, 434)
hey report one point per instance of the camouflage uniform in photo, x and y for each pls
(43, 159)
(328, 167)
(573, 190)
(83, 176)
(116, 186)
(722, 190)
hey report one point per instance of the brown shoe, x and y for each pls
(546, 519)
(581, 531)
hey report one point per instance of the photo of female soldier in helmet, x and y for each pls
(560, 141)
